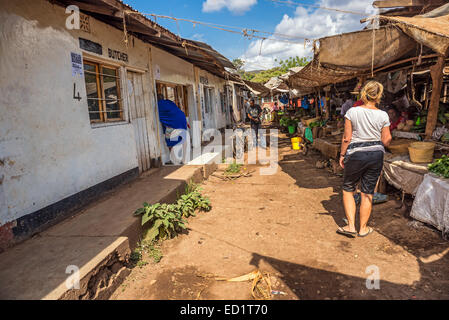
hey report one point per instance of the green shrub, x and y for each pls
(233, 168)
(167, 220)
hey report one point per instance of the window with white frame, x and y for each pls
(209, 99)
(223, 102)
(103, 92)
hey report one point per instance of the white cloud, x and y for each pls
(235, 6)
(198, 37)
(308, 23)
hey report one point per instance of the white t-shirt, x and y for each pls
(367, 125)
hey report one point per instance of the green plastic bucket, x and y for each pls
(291, 129)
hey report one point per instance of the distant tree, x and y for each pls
(282, 68)
(238, 64)
(292, 62)
(265, 75)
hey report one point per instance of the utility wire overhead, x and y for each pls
(246, 32)
(303, 4)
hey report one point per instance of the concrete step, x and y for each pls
(97, 241)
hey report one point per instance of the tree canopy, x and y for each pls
(264, 75)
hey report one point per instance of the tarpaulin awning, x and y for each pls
(342, 57)
(354, 51)
(431, 29)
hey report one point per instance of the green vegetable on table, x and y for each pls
(292, 123)
(284, 121)
(440, 167)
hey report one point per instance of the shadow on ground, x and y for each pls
(423, 242)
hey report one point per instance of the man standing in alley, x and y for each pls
(347, 105)
(246, 105)
(254, 114)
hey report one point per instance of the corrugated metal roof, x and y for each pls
(112, 12)
(257, 88)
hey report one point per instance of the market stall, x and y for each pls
(404, 175)
(431, 203)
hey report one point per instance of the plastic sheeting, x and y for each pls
(403, 175)
(431, 203)
(172, 117)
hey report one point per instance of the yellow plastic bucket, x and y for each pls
(295, 143)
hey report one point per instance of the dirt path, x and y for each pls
(285, 224)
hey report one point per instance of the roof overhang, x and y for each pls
(115, 13)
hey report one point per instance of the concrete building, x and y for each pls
(78, 104)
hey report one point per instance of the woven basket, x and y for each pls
(399, 146)
(421, 152)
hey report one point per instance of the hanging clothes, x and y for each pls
(305, 103)
(284, 99)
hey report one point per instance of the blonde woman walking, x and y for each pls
(362, 152)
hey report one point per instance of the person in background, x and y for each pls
(174, 122)
(358, 103)
(395, 118)
(276, 107)
(254, 114)
(246, 106)
(347, 105)
(362, 152)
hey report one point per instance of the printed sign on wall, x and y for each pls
(117, 55)
(77, 64)
(157, 72)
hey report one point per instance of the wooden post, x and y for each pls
(316, 105)
(436, 72)
(326, 105)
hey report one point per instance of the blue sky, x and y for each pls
(263, 15)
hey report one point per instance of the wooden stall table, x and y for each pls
(329, 146)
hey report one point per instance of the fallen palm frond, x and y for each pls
(228, 177)
(261, 285)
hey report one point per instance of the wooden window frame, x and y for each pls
(180, 92)
(99, 76)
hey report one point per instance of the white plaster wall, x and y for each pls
(48, 148)
(173, 69)
(216, 119)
